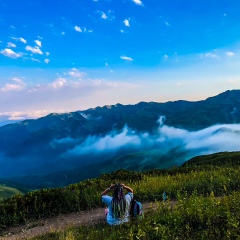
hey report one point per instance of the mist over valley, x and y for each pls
(60, 149)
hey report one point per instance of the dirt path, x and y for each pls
(59, 223)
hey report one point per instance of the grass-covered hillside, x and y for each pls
(199, 214)
(222, 158)
(7, 192)
(9, 189)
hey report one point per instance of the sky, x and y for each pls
(67, 55)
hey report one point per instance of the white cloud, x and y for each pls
(35, 60)
(19, 80)
(47, 53)
(21, 115)
(109, 15)
(122, 31)
(35, 50)
(10, 53)
(65, 92)
(11, 87)
(126, 22)
(19, 85)
(9, 45)
(76, 73)
(230, 54)
(78, 29)
(38, 43)
(209, 55)
(20, 39)
(58, 83)
(46, 61)
(126, 58)
(104, 16)
(138, 2)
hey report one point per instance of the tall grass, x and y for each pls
(221, 180)
(194, 217)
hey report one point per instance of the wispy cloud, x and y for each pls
(35, 50)
(126, 22)
(138, 2)
(230, 54)
(18, 115)
(35, 60)
(76, 91)
(58, 83)
(17, 86)
(11, 45)
(104, 16)
(10, 53)
(20, 39)
(39, 43)
(209, 55)
(76, 73)
(18, 80)
(46, 60)
(78, 29)
(109, 15)
(126, 58)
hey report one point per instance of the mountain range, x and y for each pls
(60, 149)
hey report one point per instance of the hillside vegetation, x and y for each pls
(194, 218)
(7, 192)
(8, 189)
(195, 187)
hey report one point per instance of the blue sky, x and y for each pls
(67, 55)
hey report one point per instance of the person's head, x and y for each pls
(118, 201)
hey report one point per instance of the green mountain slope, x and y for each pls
(9, 188)
(217, 159)
(7, 192)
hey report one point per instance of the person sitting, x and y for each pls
(118, 205)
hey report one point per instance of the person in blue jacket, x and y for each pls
(118, 205)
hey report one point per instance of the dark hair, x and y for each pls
(118, 202)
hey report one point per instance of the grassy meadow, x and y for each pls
(207, 195)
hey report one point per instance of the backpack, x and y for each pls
(136, 209)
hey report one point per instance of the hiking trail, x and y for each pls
(62, 221)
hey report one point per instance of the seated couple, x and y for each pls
(118, 205)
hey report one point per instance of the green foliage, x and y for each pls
(196, 217)
(221, 158)
(222, 180)
(7, 192)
